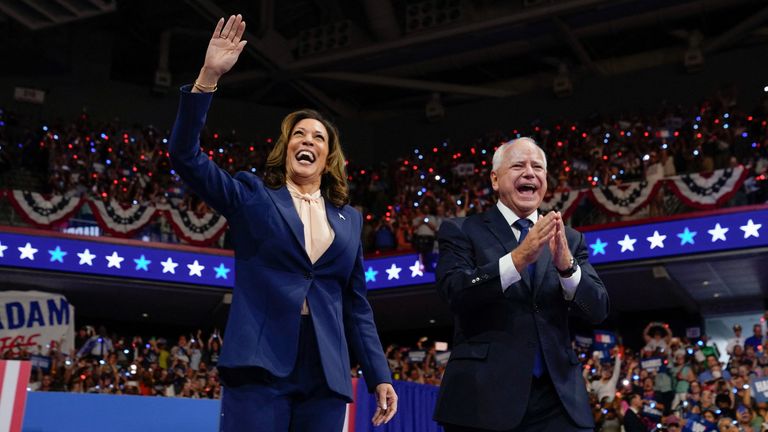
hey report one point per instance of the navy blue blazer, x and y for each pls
(273, 273)
(488, 378)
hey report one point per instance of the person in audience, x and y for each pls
(286, 365)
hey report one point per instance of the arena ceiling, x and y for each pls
(373, 57)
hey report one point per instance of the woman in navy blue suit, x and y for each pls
(300, 298)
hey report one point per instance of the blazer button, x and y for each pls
(308, 275)
(536, 307)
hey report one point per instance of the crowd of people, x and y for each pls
(668, 383)
(404, 200)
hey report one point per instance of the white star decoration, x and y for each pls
(628, 244)
(2, 249)
(657, 240)
(718, 233)
(393, 272)
(27, 252)
(416, 269)
(114, 260)
(750, 229)
(86, 257)
(195, 269)
(169, 266)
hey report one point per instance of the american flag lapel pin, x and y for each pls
(342, 216)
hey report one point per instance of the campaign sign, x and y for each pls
(416, 356)
(699, 425)
(604, 340)
(41, 362)
(36, 322)
(760, 389)
(652, 364)
(441, 358)
(583, 341)
(651, 412)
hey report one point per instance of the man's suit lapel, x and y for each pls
(284, 203)
(503, 232)
(542, 266)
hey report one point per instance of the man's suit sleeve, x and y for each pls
(591, 299)
(361, 329)
(214, 185)
(460, 282)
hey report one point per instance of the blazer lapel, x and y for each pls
(503, 232)
(284, 203)
(341, 223)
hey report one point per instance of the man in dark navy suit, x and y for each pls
(512, 277)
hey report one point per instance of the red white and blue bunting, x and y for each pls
(626, 199)
(43, 212)
(121, 221)
(708, 191)
(199, 231)
(565, 202)
(694, 190)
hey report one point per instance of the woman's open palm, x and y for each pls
(225, 45)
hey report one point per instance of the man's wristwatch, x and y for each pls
(570, 270)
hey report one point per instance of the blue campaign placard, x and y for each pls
(760, 389)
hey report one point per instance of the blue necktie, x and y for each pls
(524, 225)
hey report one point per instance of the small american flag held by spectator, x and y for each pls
(14, 376)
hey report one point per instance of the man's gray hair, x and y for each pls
(498, 157)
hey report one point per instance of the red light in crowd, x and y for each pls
(759, 347)
(567, 169)
(589, 178)
(369, 217)
(230, 160)
(362, 172)
(125, 189)
(74, 156)
(537, 128)
(583, 134)
(483, 163)
(477, 170)
(125, 136)
(87, 138)
(514, 131)
(621, 133)
(557, 127)
(215, 136)
(405, 162)
(114, 181)
(210, 157)
(109, 149)
(210, 152)
(415, 167)
(95, 175)
(565, 162)
(749, 118)
(69, 146)
(103, 194)
(559, 143)
(472, 150)
(698, 135)
(717, 121)
(676, 133)
(42, 144)
(134, 169)
(594, 183)
(141, 157)
(389, 207)
(167, 154)
(388, 214)
(124, 180)
(349, 178)
(250, 148)
(573, 128)
(605, 157)
(106, 137)
(269, 140)
(646, 134)
(434, 149)
(431, 170)
(149, 173)
(458, 154)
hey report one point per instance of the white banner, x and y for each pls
(35, 321)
